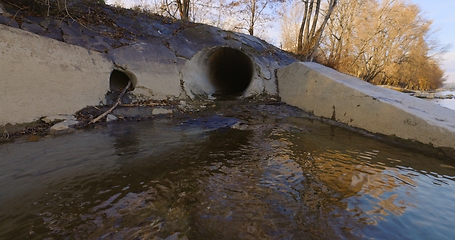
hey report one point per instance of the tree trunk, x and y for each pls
(308, 39)
(252, 19)
(307, 24)
(317, 37)
(302, 27)
(315, 18)
(184, 9)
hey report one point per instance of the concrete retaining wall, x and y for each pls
(330, 94)
(42, 77)
(154, 66)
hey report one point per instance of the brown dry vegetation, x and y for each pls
(382, 42)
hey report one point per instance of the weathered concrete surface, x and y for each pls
(160, 57)
(197, 73)
(155, 68)
(154, 52)
(57, 66)
(42, 76)
(330, 94)
(194, 46)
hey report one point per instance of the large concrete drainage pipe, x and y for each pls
(230, 71)
(218, 72)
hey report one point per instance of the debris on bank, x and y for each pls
(139, 111)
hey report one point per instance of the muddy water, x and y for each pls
(244, 172)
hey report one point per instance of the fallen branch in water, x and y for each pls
(119, 99)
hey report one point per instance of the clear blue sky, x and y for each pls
(443, 16)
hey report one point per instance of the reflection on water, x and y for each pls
(282, 177)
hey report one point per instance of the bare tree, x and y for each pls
(311, 29)
(250, 13)
(254, 9)
(382, 42)
(170, 8)
(184, 9)
(338, 33)
(290, 18)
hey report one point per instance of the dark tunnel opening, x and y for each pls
(119, 80)
(230, 71)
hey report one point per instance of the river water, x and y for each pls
(448, 103)
(243, 172)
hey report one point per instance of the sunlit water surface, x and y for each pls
(448, 103)
(280, 177)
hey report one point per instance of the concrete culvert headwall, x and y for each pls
(119, 80)
(220, 72)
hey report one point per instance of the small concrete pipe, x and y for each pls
(119, 79)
